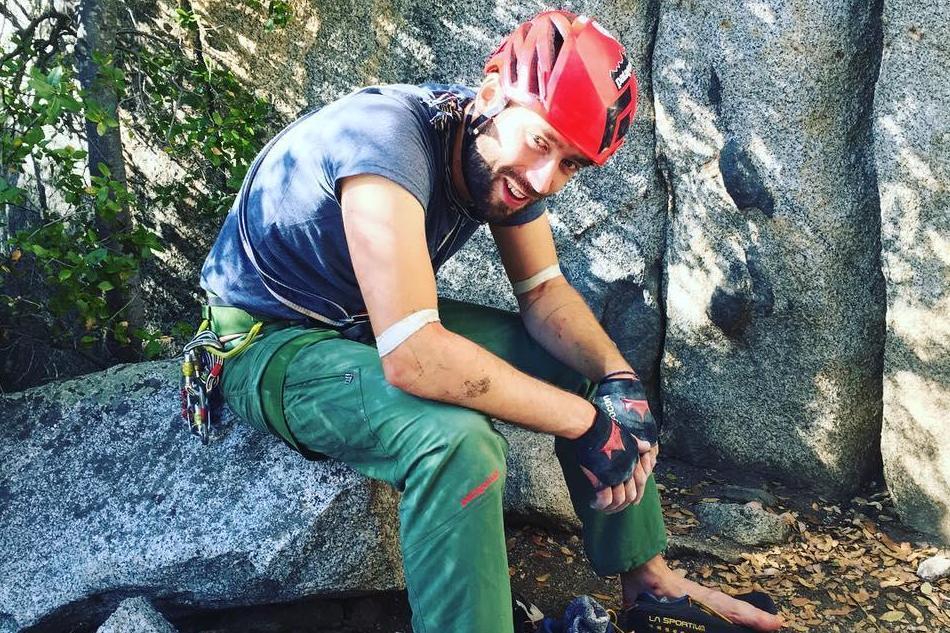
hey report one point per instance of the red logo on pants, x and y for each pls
(477, 491)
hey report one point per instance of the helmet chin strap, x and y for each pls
(476, 124)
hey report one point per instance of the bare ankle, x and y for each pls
(650, 577)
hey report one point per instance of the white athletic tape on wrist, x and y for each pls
(523, 286)
(399, 331)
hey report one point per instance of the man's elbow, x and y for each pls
(405, 366)
(399, 371)
(528, 299)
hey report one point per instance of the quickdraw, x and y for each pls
(201, 366)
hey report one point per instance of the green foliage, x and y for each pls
(205, 120)
(59, 274)
(186, 19)
(77, 266)
(278, 12)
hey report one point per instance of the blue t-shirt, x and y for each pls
(293, 219)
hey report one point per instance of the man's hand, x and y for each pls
(620, 396)
(608, 455)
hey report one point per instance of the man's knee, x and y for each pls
(469, 437)
(460, 444)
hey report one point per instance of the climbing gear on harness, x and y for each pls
(574, 74)
(201, 366)
(650, 614)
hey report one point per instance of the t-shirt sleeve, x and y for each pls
(381, 134)
(529, 213)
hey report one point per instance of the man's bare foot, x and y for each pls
(657, 578)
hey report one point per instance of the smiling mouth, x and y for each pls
(515, 192)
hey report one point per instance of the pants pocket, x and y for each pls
(325, 413)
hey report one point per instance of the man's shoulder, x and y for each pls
(421, 100)
(426, 91)
(375, 109)
(370, 117)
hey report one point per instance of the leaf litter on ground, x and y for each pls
(848, 568)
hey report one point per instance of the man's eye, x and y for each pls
(571, 165)
(538, 142)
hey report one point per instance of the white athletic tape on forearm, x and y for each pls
(399, 331)
(521, 287)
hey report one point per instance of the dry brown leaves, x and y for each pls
(841, 571)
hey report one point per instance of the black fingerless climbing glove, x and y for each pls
(609, 447)
(623, 393)
(607, 450)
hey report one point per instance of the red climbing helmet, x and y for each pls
(573, 73)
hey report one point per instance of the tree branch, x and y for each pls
(26, 33)
(40, 187)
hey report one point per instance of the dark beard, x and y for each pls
(479, 179)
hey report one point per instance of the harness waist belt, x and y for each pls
(225, 320)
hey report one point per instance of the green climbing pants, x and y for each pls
(447, 461)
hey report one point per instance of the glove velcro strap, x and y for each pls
(626, 401)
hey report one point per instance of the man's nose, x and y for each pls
(543, 176)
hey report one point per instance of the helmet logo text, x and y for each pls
(621, 74)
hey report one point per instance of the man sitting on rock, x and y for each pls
(334, 241)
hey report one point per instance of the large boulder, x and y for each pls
(103, 495)
(774, 295)
(912, 146)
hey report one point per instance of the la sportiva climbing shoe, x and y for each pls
(650, 614)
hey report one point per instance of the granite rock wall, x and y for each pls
(912, 152)
(774, 295)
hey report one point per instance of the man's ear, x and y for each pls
(490, 100)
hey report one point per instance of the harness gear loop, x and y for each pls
(202, 364)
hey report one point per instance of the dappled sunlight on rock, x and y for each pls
(917, 452)
(912, 126)
(924, 330)
(773, 287)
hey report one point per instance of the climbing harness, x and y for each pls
(202, 363)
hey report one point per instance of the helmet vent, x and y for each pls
(513, 69)
(612, 124)
(533, 83)
(558, 43)
(623, 101)
(622, 127)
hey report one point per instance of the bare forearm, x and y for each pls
(557, 316)
(437, 364)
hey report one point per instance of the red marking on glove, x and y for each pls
(639, 406)
(477, 491)
(613, 443)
